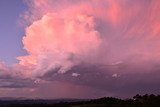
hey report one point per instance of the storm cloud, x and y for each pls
(110, 47)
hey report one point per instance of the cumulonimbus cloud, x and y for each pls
(111, 46)
(64, 33)
(60, 40)
(61, 34)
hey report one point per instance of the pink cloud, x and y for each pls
(53, 41)
(105, 41)
(64, 33)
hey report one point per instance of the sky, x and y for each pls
(11, 33)
(79, 48)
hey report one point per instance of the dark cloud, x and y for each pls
(110, 79)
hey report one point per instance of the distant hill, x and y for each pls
(136, 101)
(12, 98)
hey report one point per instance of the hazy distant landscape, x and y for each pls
(136, 101)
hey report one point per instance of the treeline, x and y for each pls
(136, 101)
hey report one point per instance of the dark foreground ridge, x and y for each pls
(136, 101)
